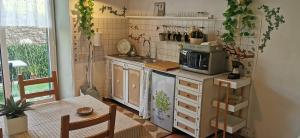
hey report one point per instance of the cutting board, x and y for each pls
(163, 65)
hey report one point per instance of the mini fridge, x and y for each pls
(162, 100)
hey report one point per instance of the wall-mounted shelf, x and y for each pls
(169, 18)
(233, 123)
(234, 84)
(231, 108)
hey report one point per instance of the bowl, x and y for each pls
(84, 111)
(196, 41)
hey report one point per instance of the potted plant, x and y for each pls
(196, 35)
(241, 21)
(14, 116)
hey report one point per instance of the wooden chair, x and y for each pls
(53, 80)
(1, 133)
(67, 126)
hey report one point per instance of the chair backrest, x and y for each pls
(1, 133)
(52, 79)
(67, 126)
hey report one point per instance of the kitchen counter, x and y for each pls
(176, 72)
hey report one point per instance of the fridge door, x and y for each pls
(162, 100)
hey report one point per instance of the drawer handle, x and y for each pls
(188, 95)
(188, 84)
(186, 117)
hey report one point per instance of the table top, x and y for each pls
(45, 119)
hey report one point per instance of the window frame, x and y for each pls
(51, 46)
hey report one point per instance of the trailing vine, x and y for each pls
(85, 8)
(274, 20)
(239, 20)
(115, 12)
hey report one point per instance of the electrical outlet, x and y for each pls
(247, 132)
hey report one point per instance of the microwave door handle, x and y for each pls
(200, 61)
(188, 54)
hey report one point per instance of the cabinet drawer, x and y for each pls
(189, 84)
(187, 106)
(188, 95)
(186, 117)
(185, 128)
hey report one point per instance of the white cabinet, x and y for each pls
(127, 83)
(193, 110)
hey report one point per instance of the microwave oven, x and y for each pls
(208, 60)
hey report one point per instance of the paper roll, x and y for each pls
(97, 39)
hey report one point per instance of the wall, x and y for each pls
(113, 29)
(146, 7)
(64, 48)
(275, 97)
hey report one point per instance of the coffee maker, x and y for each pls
(237, 68)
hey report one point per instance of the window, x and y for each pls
(27, 44)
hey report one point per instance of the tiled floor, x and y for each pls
(154, 130)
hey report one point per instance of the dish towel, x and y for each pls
(145, 100)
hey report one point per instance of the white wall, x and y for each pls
(215, 7)
(109, 25)
(275, 101)
(64, 48)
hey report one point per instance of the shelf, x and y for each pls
(233, 123)
(231, 108)
(169, 18)
(234, 84)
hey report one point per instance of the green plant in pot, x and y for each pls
(84, 12)
(240, 22)
(14, 117)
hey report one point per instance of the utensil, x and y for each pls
(84, 111)
(162, 36)
(124, 46)
(178, 37)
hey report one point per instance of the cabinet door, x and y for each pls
(134, 77)
(118, 81)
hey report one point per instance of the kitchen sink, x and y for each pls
(140, 59)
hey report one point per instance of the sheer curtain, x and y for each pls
(33, 13)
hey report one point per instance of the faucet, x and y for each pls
(149, 46)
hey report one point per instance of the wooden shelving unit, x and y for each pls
(229, 121)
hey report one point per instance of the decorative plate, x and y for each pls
(84, 111)
(124, 46)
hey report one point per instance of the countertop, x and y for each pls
(176, 72)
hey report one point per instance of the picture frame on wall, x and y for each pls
(159, 9)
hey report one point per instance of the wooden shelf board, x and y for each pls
(233, 123)
(234, 84)
(232, 108)
(170, 18)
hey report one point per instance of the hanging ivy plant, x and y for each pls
(85, 8)
(239, 20)
(274, 19)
